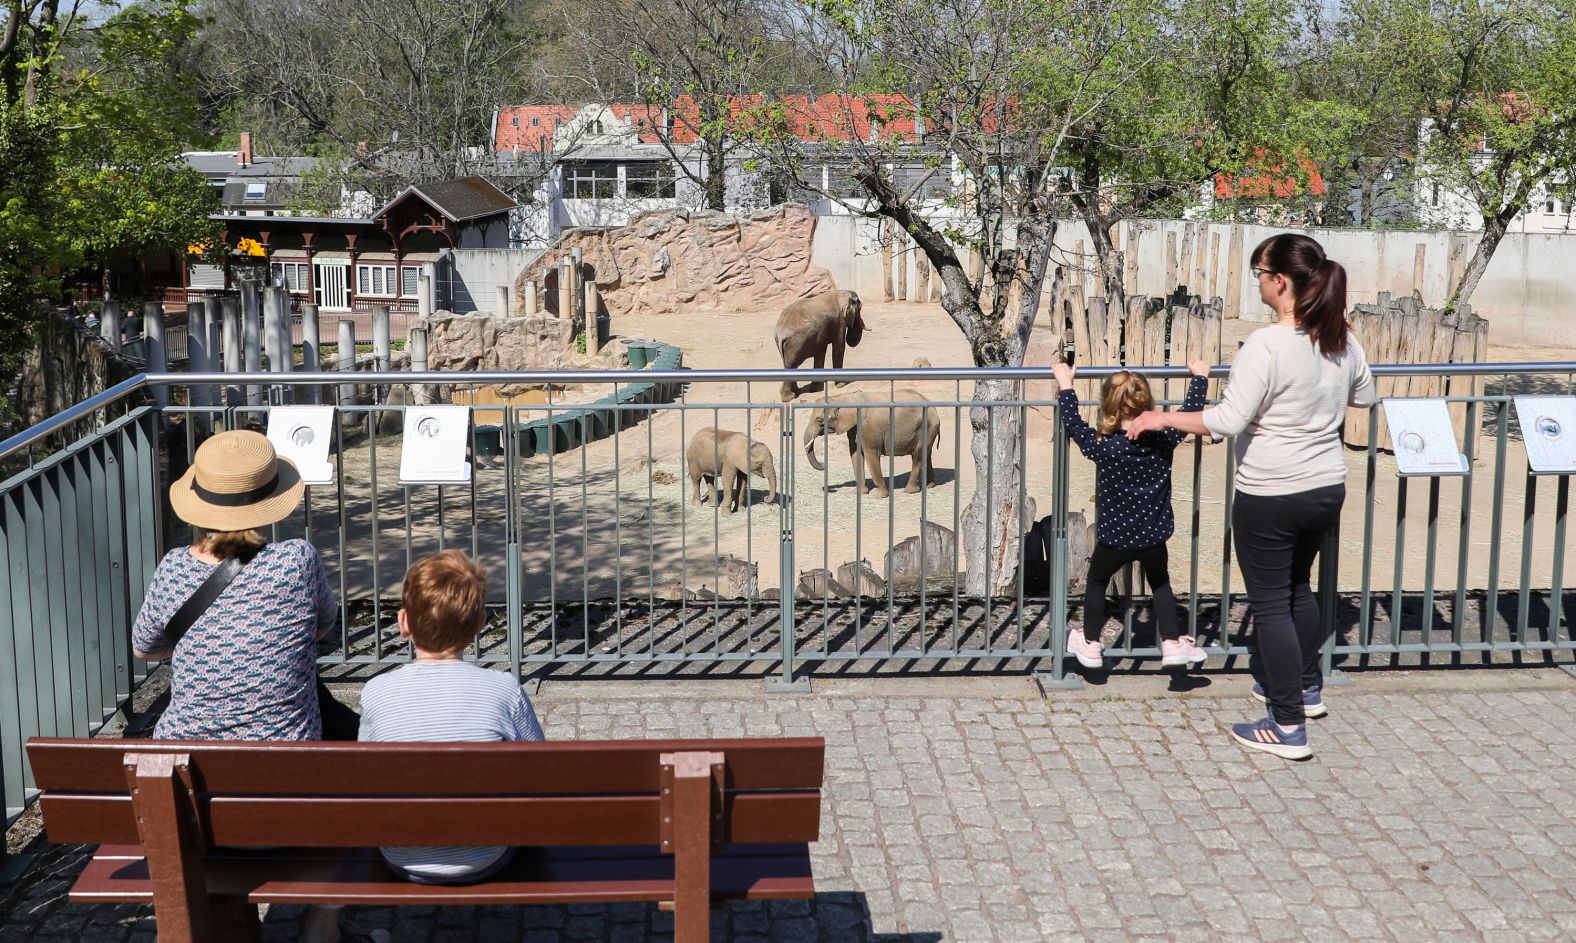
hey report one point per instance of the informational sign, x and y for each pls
(302, 434)
(433, 449)
(1548, 428)
(1423, 438)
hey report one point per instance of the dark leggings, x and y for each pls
(1105, 562)
(1277, 538)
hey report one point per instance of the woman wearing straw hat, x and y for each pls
(244, 667)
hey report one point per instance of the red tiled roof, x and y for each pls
(1270, 181)
(823, 118)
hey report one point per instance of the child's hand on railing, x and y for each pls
(1064, 374)
(1199, 368)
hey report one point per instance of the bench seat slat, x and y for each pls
(536, 876)
(353, 822)
(431, 769)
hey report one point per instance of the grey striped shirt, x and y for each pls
(445, 701)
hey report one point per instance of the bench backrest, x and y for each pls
(358, 794)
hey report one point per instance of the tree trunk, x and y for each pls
(716, 175)
(1494, 229)
(994, 521)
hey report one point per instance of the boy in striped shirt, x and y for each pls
(442, 697)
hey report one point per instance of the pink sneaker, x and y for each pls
(1089, 654)
(1181, 652)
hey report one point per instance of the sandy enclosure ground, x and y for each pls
(652, 531)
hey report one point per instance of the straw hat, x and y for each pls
(236, 482)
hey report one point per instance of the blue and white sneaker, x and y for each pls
(1312, 700)
(1267, 735)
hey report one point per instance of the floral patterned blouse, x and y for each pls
(247, 668)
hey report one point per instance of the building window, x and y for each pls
(376, 281)
(255, 192)
(514, 122)
(536, 122)
(651, 180)
(592, 180)
(1435, 200)
(292, 275)
(1552, 207)
(409, 276)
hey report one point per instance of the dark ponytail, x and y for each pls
(1320, 284)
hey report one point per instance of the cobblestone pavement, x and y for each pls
(1437, 807)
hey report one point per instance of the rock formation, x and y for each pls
(486, 342)
(691, 260)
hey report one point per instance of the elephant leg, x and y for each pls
(916, 474)
(694, 476)
(837, 358)
(791, 389)
(873, 459)
(727, 481)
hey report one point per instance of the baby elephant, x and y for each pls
(728, 459)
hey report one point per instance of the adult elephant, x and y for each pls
(729, 458)
(810, 325)
(878, 430)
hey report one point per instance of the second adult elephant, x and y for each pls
(810, 325)
(728, 458)
(874, 431)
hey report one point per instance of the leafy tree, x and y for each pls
(92, 123)
(1494, 98)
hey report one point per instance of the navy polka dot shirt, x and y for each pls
(1132, 478)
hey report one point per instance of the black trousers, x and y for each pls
(1277, 539)
(1104, 564)
(339, 721)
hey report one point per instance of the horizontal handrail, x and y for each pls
(778, 375)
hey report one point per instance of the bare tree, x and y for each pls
(686, 63)
(400, 90)
(999, 86)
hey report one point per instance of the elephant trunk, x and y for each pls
(812, 431)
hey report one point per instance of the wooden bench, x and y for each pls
(681, 823)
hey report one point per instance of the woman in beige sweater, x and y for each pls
(1290, 385)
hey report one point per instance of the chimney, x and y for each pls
(244, 155)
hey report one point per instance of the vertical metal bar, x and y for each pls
(1458, 616)
(859, 519)
(1060, 488)
(651, 530)
(101, 574)
(1557, 581)
(1429, 561)
(1490, 620)
(41, 558)
(513, 595)
(716, 532)
(1524, 598)
(957, 503)
(344, 564)
(924, 519)
(618, 522)
(585, 533)
(76, 534)
(1023, 502)
(374, 515)
(1370, 479)
(990, 499)
(891, 618)
(443, 528)
(1397, 591)
(18, 715)
(1225, 541)
(119, 587)
(1193, 535)
(786, 569)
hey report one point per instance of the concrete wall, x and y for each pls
(473, 277)
(1520, 294)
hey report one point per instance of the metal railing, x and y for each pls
(602, 560)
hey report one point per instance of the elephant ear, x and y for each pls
(853, 319)
(845, 419)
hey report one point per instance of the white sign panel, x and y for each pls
(1548, 427)
(1423, 438)
(302, 434)
(433, 450)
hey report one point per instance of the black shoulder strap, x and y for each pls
(192, 609)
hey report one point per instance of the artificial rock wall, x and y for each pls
(689, 260)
